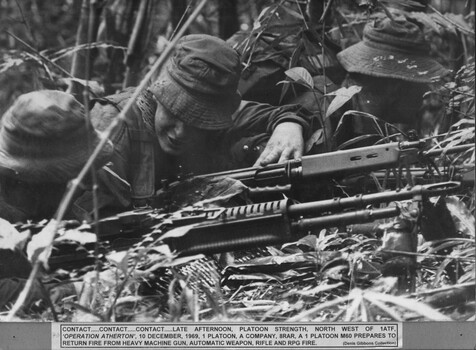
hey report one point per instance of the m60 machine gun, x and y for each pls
(216, 230)
(282, 221)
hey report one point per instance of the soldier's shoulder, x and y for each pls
(106, 108)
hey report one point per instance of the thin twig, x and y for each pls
(302, 14)
(133, 41)
(399, 252)
(463, 30)
(57, 55)
(76, 67)
(28, 27)
(47, 297)
(326, 10)
(119, 290)
(24, 293)
(94, 177)
(387, 12)
(326, 121)
(442, 289)
(39, 54)
(187, 9)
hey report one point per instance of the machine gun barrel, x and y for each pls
(228, 234)
(361, 201)
(281, 221)
(215, 230)
(353, 217)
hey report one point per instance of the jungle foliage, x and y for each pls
(369, 273)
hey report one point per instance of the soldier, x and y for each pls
(44, 145)
(192, 121)
(393, 66)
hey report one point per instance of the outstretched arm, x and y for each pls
(286, 142)
(287, 127)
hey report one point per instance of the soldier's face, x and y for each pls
(392, 100)
(174, 136)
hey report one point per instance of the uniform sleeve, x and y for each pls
(101, 117)
(253, 124)
(114, 192)
(253, 118)
(113, 196)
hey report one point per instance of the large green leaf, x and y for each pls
(342, 96)
(300, 75)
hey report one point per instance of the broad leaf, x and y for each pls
(353, 113)
(409, 304)
(95, 87)
(342, 96)
(320, 289)
(292, 13)
(462, 217)
(77, 236)
(10, 238)
(316, 138)
(300, 75)
(40, 245)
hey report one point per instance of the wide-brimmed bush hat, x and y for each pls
(44, 138)
(200, 82)
(392, 49)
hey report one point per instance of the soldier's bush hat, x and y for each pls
(200, 82)
(44, 138)
(392, 49)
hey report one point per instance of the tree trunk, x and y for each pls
(152, 21)
(132, 61)
(90, 14)
(227, 18)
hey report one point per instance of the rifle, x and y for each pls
(332, 165)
